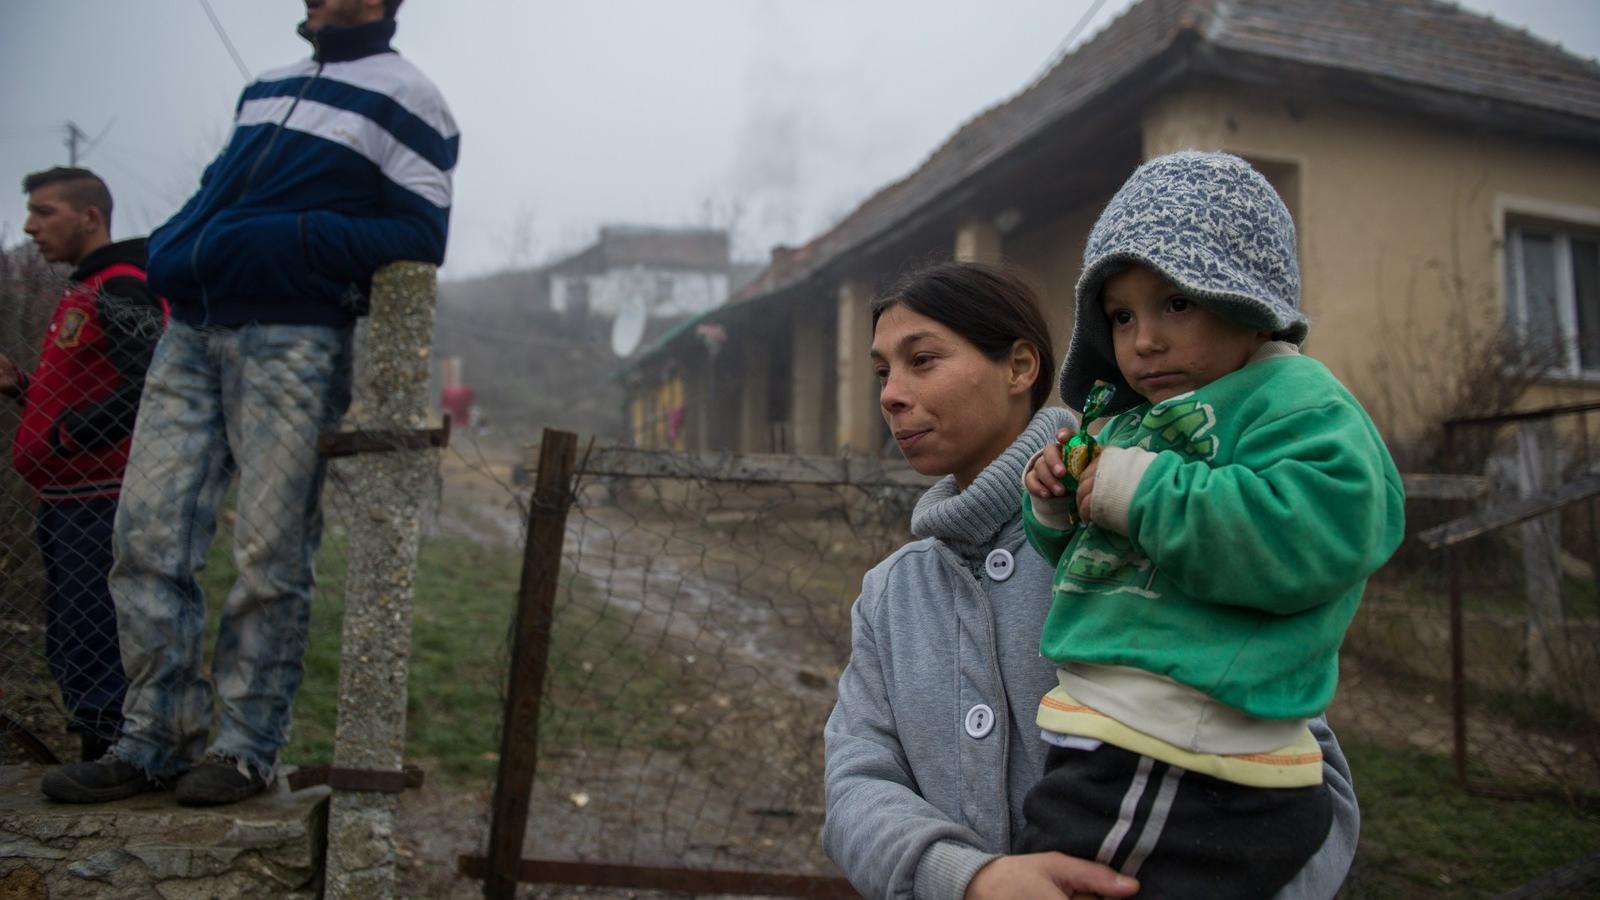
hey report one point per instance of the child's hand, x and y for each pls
(1045, 876)
(1043, 479)
(1086, 490)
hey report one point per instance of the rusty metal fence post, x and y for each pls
(519, 740)
(386, 487)
(1458, 651)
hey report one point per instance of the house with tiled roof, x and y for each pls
(1442, 168)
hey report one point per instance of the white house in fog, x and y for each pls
(663, 272)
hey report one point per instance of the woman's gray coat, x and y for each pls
(932, 743)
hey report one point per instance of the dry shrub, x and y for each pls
(29, 288)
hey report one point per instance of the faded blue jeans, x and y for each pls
(219, 401)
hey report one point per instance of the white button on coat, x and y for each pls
(999, 564)
(980, 721)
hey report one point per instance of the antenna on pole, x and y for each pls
(74, 135)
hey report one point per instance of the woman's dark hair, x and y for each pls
(988, 305)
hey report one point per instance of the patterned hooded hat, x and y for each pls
(1209, 224)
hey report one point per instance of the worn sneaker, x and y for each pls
(96, 782)
(218, 781)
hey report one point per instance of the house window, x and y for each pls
(1553, 291)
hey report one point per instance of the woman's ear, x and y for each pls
(1024, 363)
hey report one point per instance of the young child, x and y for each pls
(1214, 551)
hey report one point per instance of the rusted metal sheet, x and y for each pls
(688, 881)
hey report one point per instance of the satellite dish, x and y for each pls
(628, 328)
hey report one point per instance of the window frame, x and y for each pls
(1561, 223)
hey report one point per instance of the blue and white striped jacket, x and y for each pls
(336, 165)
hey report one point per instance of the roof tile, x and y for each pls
(1424, 43)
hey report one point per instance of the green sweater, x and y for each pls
(1266, 499)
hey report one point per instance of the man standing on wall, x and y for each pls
(336, 166)
(77, 420)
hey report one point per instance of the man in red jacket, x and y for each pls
(78, 411)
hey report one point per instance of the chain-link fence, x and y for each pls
(1487, 645)
(206, 482)
(51, 565)
(254, 475)
(699, 622)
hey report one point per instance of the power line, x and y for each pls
(95, 142)
(158, 158)
(221, 33)
(1066, 45)
(130, 170)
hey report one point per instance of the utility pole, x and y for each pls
(74, 135)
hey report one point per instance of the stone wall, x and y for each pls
(147, 846)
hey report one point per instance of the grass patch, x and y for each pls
(465, 596)
(608, 690)
(1422, 836)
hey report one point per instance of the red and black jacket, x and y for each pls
(81, 401)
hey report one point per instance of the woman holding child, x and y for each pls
(933, 744)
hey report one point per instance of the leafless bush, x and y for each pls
(29, 288)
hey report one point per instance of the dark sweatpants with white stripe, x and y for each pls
(1181, 833)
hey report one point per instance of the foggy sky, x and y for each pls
(775, 116)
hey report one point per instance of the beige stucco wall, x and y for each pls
(754, 422)
(812, 406)
(857, 389)
(977, 240)
(1051, 255)
(1400, 224)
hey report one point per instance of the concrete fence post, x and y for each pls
(386, 493)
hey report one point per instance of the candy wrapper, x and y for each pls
(1078, 451)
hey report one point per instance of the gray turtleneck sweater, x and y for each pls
(932, 744)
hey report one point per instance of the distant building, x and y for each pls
(539, 345)
(1442, 168)
(666, 272)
